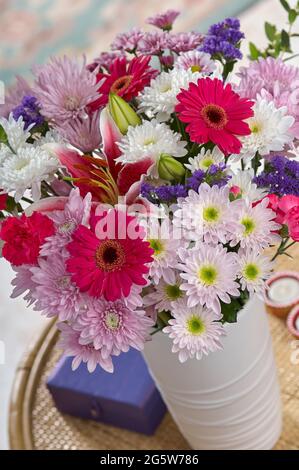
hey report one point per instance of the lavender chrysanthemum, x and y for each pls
(184, 42)
(76, 212)
(280, 176)
(113, 328)
(194, 331)
(224, 38)
(23, 283)
(104, 60)
(55, 293)
(64, 88)
(84, 134)
(165, 20)
(70, 343)
(279, 82)
(128, 41)
(153, 43)
(30, 112)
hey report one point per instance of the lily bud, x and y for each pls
(122, 113)
(170, 169)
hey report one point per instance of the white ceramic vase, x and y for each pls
(229, 399)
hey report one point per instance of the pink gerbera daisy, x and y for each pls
(214, 112)
(126, 79)
(105, 265)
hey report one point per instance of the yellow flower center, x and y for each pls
(195, 325)
(207, 274)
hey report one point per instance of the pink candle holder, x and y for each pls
(293, 321)
(282, 293)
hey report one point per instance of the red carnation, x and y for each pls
(23, 237)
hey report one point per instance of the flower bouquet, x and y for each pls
(140, 194)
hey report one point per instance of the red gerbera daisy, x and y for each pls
(126, 79)
(105, 265)
(214, 112)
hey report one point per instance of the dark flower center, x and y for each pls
(121, 84)
(110, 255)
(214, 116)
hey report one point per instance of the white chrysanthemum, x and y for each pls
(207, 215)
(150, 140)
(15, 132)
(160, 98)
(26, 170)
(210, 275)
(254, 269)
(269, 130)
(195, 61)
(194, 331)
(165, 258)
(242, 180)
(256, 226)
(165, 296)
(205, 159)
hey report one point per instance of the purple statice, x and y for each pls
(167, 194)
(224, 39)
(184, 42)
(128, 41)
(30, 112)
(163, 194)
(280, 176)
(165, 20)
(214, 176)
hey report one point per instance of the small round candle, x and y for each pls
(282, 292)
(293, 321)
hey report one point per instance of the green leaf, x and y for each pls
(270, 30)
(292, 16)
(230, 311)
(254, 52)
(285, 40)
(3, 136)
(285, 5)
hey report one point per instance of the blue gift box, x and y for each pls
(128, 398)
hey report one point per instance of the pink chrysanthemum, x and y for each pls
(23, 283)
(184, 42)
(153, 43)
(194, 331)
(164, 20)
(24, 236)
(104, 60)
(55, 292)
(14, 96)
(278, 81)
(128, 41)
(70, 343)
(84, 134)
(214, 113)
(76, 212)
(195, 61)
(126, 79)
(64, 87)
(113, 328)
(210, 276)
(105, 264)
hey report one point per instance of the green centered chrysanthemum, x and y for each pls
(173, 292)
(248, 224)
(207, 274)
(251, 271)
(195, 325)
(211, 214)
(157, 245)
(112, 320)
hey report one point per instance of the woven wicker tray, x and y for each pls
(35, 423)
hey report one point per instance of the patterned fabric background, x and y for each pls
(32, 30)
